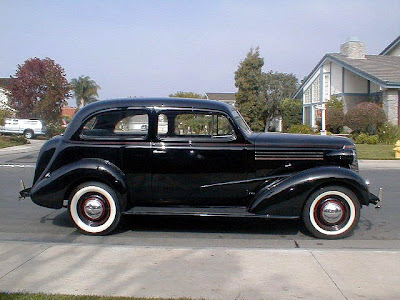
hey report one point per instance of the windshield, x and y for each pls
(240, 121)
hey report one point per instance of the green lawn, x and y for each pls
(9, 141)
(27, 296)
(365, 151)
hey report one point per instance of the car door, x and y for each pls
(13, 126)
(198, 158)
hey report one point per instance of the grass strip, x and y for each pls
(40, 296)
(379, 151)
(9, 141)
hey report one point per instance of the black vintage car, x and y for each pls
(195, 157)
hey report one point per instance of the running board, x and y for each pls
(216, 211)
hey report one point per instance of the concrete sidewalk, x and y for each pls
(379, 164)
(212, 273)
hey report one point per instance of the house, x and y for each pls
(4, 82)
(68, 111)
(228, 98)
(353, 77)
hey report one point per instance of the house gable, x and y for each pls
(393, 49)
(353, 77)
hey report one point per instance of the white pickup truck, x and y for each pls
(28, 127)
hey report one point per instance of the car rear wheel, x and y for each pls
(94, 208)
(29, 134)
(331, 212)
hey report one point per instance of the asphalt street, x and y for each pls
(25, 221)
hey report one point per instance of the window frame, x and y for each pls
(193, 138)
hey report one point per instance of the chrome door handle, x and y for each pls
(159, 151)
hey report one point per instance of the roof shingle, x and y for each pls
(221, 96)
(382, 67)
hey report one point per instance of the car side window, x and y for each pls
(117, 124)
(194, 124)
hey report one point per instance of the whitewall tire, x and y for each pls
(94, 208)
(331, 212)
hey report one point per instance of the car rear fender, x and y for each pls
(286, 196)
(54, 187)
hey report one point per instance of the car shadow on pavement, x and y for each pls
(209, 225)
(194, 224)
(63, 220)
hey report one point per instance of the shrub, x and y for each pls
(365, 117)
(301, 128)
(388, 133)
(334, 102)
(334, 119)
(367, 139)
(291, 112)
(54, 129)
(3, 115)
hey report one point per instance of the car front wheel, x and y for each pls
(94, 208)
(331, 212)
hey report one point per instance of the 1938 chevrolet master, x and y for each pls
(195, 157)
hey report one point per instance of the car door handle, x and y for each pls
(159, 151)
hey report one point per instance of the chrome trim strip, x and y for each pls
(244, 181)
(289, 158)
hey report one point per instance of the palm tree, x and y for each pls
(85, 90)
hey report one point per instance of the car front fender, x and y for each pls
(54, 187)
(286, 196)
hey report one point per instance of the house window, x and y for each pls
(327, 79)
(307, 96)
(307, 115)
(316, 91)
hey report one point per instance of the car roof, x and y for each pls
(151, 102)
(142, 103)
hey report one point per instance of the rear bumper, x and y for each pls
(25, 193)
(376, 199)
(373, 199)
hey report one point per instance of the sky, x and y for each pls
(155, 48)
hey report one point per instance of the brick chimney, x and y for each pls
(353, 48)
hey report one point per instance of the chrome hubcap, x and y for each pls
(93, 208)
(332, 212)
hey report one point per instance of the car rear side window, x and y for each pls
(117, 125)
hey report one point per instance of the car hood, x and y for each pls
(288, 140)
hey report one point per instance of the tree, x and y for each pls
(39, 90)
(278, 86)
(259, 94)
(181, 94)
(85, 90)
(250, 81)
(291, 112)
